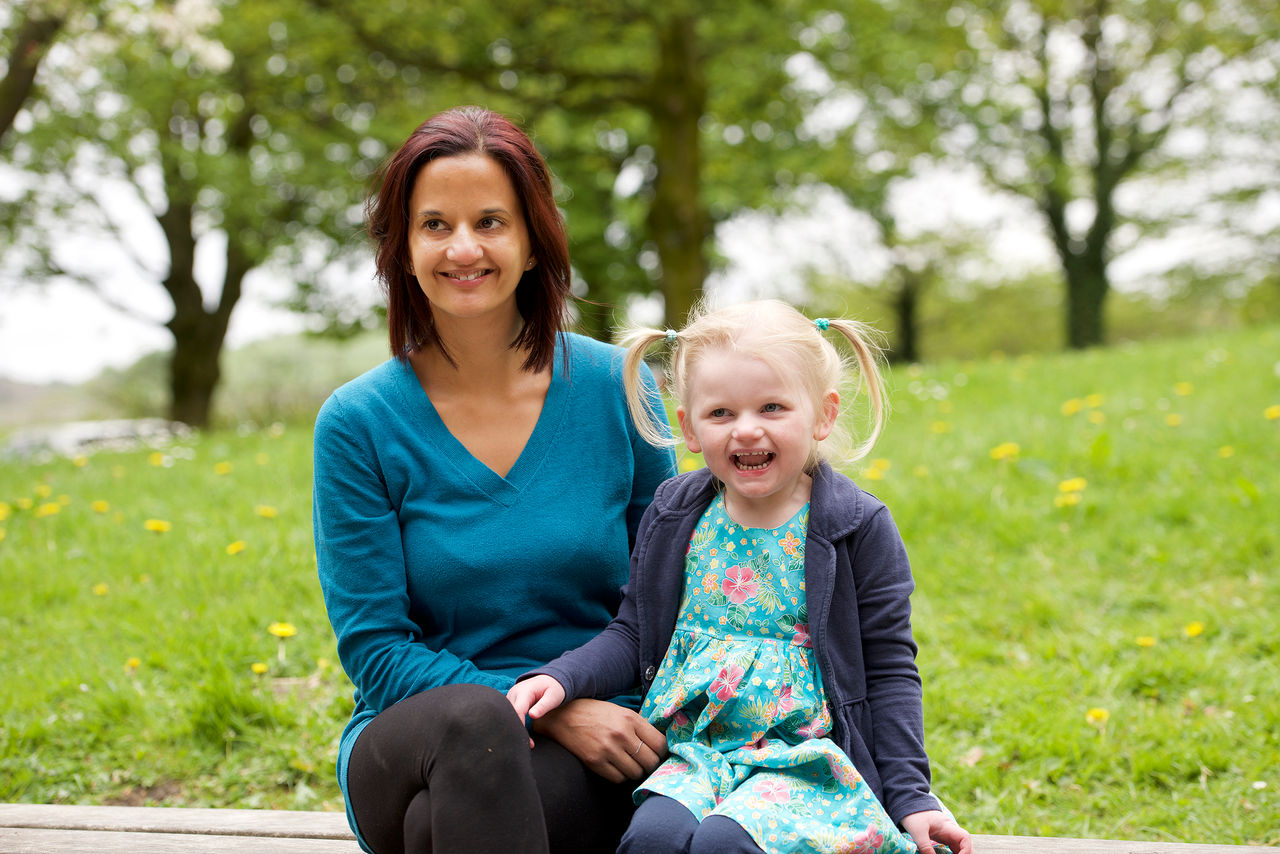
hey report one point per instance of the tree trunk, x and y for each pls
(34, 36)
(678, 222)
(198, 334)
(1087, 287)
(906, 305)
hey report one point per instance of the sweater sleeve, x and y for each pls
(884, 586)
(361, 563)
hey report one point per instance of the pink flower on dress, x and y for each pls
(785, 701)
(773, 790)
(725, 686)
(801, 637)
(867, 842)
(816, 728)
(738, 584)
(843, 771)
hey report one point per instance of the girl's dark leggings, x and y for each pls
(450, 770)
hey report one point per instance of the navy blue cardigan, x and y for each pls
(858, 585)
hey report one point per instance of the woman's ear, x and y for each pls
(686, 430)
(827, 416)
(531, 263)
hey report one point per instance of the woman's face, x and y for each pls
(468, 242)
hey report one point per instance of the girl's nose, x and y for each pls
(748, 429)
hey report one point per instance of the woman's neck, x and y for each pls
(481, 355)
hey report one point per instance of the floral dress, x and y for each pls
(740, 697)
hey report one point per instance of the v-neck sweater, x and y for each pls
(437, 570)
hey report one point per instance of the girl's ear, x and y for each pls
(686, 430)
(827, 416)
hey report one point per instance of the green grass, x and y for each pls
(1150, 601)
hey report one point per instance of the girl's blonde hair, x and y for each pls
(781, 337)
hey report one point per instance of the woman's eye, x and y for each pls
(490, 222)
(433, 225)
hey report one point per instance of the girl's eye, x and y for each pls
(719, 413)
(771, 407)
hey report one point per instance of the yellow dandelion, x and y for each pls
(43, 490)
(944, 406)
(80, 461)
(1097, 717)
(100, 506)
(1226, 451)
(323, 663)
(1073, 484)
(64, 499)
(221, 468)
(266, 511)
(1145, 641)
(132, 664)
(258, 668)
(1093, 401)
(1006, 451)
(1072, 406)
(117, 471)
(920, 471)
(1272, 413)
(282, 630)
(236, 547)
(100, 589)
(1097, 417)
(1173, 419)
(940, 427)
(690, 464)
(261, 459)
(1183, 389)
(156, 458)
(49, 508)
(159, 526)
(1067, 499)
(1194, 629)
(873, 473)
(5, 510)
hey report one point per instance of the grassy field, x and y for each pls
(1096, 540)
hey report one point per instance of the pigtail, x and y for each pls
(869, 355)
(639, 402)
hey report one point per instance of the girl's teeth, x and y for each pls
(751, 462)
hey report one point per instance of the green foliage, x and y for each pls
(1094, 608)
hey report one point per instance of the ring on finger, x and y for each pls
(637, 750)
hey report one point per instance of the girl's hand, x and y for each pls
(933, 826)
(612, 741)
(535, 696)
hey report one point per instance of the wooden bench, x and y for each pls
(55, 829)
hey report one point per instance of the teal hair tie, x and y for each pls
(671, 336)
(822, 323)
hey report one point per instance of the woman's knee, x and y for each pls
(465, 715)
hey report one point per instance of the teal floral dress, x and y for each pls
(740, 698)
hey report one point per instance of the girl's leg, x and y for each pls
(467, 751)
(720, 834)
(661, 825)
(584, 813)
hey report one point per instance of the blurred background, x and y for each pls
(181, 183)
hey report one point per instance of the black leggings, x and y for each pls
(450, 770)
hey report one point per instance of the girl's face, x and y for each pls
(755, 433)
(468, 242)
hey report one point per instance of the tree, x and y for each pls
(28, 35)
(661, 118)
(1071, 102)
(212, 120)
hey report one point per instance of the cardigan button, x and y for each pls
(649, 673)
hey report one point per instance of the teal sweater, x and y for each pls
(435, 570)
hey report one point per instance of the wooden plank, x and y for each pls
(227, 822)
(39, 840)
(1055, 845)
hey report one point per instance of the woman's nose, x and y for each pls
(463, 248)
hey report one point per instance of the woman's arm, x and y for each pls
(361, 565)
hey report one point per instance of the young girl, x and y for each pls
(767, 615)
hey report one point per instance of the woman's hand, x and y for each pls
(612, 741)
(931, 826)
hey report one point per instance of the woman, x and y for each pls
(476, 497)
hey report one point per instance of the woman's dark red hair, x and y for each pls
(542, 292)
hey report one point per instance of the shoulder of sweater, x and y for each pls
(371, 387)
(838, 507)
